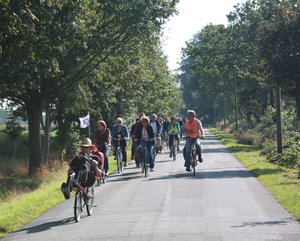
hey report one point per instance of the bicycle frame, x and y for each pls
(119, 155)
(145, 160)
(84, 196)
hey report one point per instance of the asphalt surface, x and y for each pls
(223, 202)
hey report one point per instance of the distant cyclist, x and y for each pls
(120, 131)
(156, 125)
(145, 138)
(174, 131)
(193, 131)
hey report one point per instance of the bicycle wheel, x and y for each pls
(146, 162)
(194, 168)
(103, 178)
(77, 206)
(90, 200)
(174, 150)
(119, 158)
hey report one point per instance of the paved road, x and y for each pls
(222, 203)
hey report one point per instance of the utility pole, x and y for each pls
(235, 99)
(278, 118)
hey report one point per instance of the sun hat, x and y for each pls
(86, 142)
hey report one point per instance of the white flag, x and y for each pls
(85, 121)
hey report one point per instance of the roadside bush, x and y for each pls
(249, 137)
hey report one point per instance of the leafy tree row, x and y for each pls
(240, 72)
(243, 62)
(65, 58)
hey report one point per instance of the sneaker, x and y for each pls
(151, 169)
(188, 169)
(65, 190)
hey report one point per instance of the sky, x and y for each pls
(192, 17)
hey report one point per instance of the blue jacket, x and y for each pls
(124, 132)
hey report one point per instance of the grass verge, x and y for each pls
(17, 209)
(284, 187)
(37, 196)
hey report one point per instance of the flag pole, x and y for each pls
(89, 126)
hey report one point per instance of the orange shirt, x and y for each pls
(195, 126)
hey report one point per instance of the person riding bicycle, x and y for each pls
(145, 138)
(85, 154)
(120, 132)
(174, 131)
(165, 125)
(102, 138)
(193, 131)
(156, 125)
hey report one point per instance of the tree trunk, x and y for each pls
(298, 103)
(34, 112)
(46, 129)
(272, 99)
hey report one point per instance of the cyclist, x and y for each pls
(86, 151)
(132, 134)
(156, 125)
(145, 138)
(102, 138)
(165, 130)
(193, 131)
(120, 132)
(174, 131)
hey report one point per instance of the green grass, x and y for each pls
(16, 209)
(39, 195)
(279, 181)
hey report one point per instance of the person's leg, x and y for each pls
(171, 139)
(106, 163)
(150, 152)
(187, 154)
(142, 154)
(178, 141)
(198, 147)
(124, 152)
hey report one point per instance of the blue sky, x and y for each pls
(193, 16)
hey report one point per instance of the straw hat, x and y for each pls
(86, 142)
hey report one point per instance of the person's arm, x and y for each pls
(114, 131)
(178, 127)
(108, 137)
(201, 128)
(126, 134)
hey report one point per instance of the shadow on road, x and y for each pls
(125, 176)
(268, 223)
(46, 226)
(207, 174)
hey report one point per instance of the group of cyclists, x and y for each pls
(145, 133)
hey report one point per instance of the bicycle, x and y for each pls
(119, 155)
(84, 196)
(145, 160)
(174, 146)
(193, 158)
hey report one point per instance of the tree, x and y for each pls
(49, 47)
